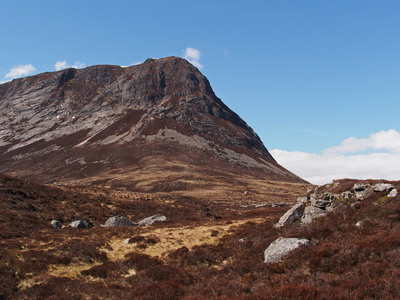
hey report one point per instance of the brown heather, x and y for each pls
(194, 255)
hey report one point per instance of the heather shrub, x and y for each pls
(54, 288)
(179, 253)
(107, 269)
(140, 261)
(8, 282)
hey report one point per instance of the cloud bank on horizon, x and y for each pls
(375, 157)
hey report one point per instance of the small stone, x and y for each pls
(56, 224)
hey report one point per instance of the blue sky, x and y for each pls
(305, 75)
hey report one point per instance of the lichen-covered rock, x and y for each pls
(150, 220)
(81, 224)
(282, 247)
(292, 215)
(118, 221)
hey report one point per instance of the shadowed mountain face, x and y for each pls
(109, 124)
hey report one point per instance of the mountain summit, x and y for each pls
(109, 124)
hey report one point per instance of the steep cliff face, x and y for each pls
(90, 122)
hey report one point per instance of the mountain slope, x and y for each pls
(109, 124)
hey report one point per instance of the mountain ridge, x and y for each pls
(159, 104)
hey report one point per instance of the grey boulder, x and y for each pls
(118, 221)
(282, 247)
(382, 187)
(292, 215)
(150, 220)
(393, 193)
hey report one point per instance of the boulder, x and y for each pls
(310, 213)
(382, 187)
(282, 247)
(292, 215)
(118, 221)
(362, 190)
(150, 220)
(324, 201)
(56, 224)
(348, 195)
(81, 224)
(393, 193)
(361, 186)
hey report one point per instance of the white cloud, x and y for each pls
(22, 70)
(334, 164)
(60, 65)
(193, 56)
(384, 140)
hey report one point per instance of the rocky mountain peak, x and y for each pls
(161, 101)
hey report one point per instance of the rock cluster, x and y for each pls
(317, 204)
(115, 221)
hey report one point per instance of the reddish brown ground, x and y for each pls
(212, 246)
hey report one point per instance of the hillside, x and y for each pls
(156, 126)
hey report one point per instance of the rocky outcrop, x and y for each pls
(318, 202)
(118, 221)
(150, 220)
(282, 247)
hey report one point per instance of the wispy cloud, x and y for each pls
(22, 70)
(193, 56)
(60, 65)
(336, 163)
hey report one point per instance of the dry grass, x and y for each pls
(171, 239)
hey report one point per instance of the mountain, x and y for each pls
(156, 126)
